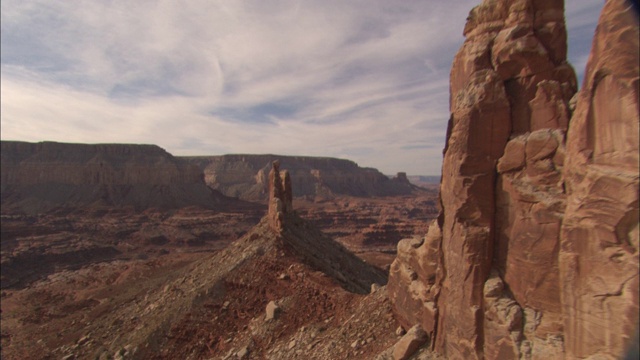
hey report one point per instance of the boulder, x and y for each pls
(410, 343)
(272, 311)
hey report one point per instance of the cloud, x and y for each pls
(365, 80)
(581, 17)
(582, 13)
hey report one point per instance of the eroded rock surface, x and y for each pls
(599, 237)
(39, 177)
(409, 343)
(532, 256)
(280, 197)
(247, 177)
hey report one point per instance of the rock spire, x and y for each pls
(280, 196)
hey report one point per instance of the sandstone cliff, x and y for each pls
(599, 235)
(535, 252)
(246, 176)
(43, 176)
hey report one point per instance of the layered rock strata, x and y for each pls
(39, 177)
(77, 164)
(247, 177)
(280, 196)
(599, 235)
(532, 256)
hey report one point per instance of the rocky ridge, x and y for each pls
(532, 256)
(246, 177)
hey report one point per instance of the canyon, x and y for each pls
(88, 231)
(245, 177)
(39, 177)
(145, 292)
(117, 199)
(527, 249)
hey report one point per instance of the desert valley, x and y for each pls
(88, 229)
(525, 247)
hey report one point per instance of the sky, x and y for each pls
(365, 80)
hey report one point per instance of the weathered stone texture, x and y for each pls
(503, 321)
(39, 177)
(26, 163)
(410, 343)
(599, 237)
(535, 253)
(414, 290)
(247, 177)
(280, 196)
(530, 205)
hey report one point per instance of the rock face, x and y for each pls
(246, 177)
(535, 252)
(42, 176)
(599, 235)
(280, 197)
(402, 178)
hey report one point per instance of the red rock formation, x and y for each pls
(246, 177)
(280, 197)
(401, 177)
(599, 237)
(79, 164)
(517, 266)
(39, 177)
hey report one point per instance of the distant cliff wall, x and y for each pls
(247, 176)
(535, 252)
(43, 176)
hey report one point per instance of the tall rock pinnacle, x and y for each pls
(280, 196)
(505, 272)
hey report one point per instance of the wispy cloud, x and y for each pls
(365, 80)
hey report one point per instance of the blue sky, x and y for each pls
(365, 80)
